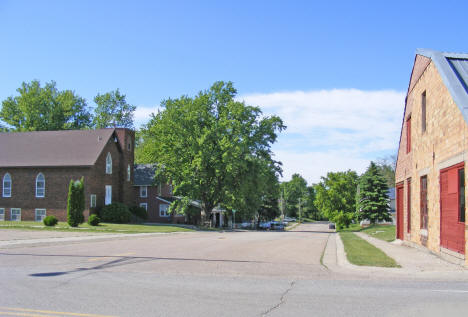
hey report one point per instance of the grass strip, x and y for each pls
(360, 252)
(382, 232)
(102, 228)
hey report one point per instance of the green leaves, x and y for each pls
(45, 108)
(212, 147)
(113, 111)
(372, 200)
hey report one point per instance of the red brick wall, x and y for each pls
(153, 203)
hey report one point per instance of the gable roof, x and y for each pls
(453, 68)
(143, 174)
(52, 148)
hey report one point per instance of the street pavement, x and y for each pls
(211, 274)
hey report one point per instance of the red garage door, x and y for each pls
(399, 211)
(452, 208)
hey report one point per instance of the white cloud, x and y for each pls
(332, 130)
(143, 115)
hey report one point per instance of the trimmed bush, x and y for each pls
(116, 213)
(50, 221)
(75, 203)
(140, 212)
(93, 220)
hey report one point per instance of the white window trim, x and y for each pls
(106, 202)
(144, 205)
(108, 163)
(91, 200)
(11, 214)
(166, 211)
(43, 194)
(3, 186)
(141, 191)
(2, 214)
(35, 214)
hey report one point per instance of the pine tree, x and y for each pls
(75, 203)
(372, 202)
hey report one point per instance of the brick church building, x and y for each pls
(36, 169)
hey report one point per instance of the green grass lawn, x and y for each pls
(360, 252)
(382, 232)
(102, 228)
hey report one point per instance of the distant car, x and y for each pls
(331, 226)
(289, 219)
(276, 225)
(265, 225)
(246, 225)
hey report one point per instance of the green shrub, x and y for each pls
(50, 221)
(93, 220)
(140, 212)
(75, 203)
(116, 212)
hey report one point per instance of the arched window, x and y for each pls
(7, 185)
(128, 172)
(109, 164)
(40, 185)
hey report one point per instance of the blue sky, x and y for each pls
(336, 72)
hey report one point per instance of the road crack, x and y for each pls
(281, 301)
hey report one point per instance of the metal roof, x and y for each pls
(453, 68)
(52, 148)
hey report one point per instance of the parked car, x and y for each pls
(265, 225)
(276, 225)
(246, 225)
(289, 219)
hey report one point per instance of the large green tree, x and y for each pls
(113, 110)
(387, 166)
(38, 108)
(211, 146)
(373, 203)
(295, 195)
(336, 196)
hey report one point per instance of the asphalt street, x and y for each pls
(209, 274)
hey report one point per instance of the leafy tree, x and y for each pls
(311, 209)
(373, 202)
(75, 203)
(113, 111)
(39, 108)
(336, 197)
(211, 147)
(295, 193)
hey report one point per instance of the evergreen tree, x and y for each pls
(372, 198)
(75, 203)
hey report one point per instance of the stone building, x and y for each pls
(430, 175)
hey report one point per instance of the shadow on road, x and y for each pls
(121, 260)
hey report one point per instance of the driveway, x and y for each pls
(207, 274)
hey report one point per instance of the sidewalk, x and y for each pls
(415, 264)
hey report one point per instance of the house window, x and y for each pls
(7, 185)
(170, 189)
(144, 205)
(408, 205)
(109, 164)
(423, 202)
(163, 210)
(92, 201)
(40, 185)
(423, 112)
(143, 191)
(160, 189)
(15, 214)
(129, 144)
(40, 214)
(2, 214)
(408, 135)
(128, 172)
(461, 194)
(108, 199)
